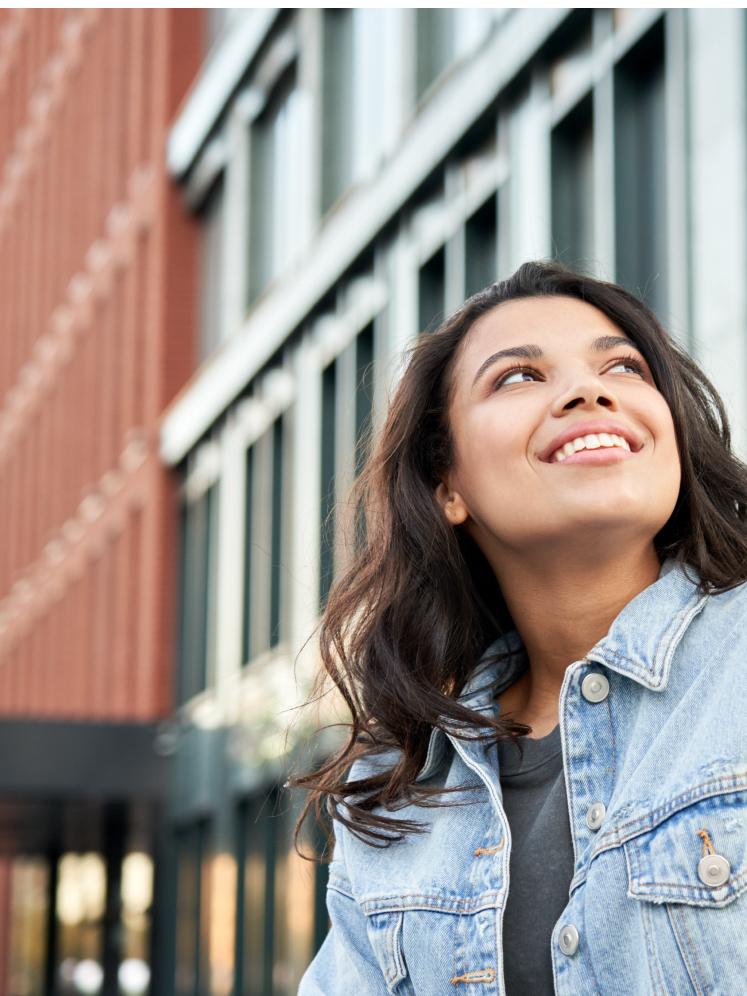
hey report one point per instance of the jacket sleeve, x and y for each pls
(345, 963)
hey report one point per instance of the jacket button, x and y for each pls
(568, 939)
(714, 870)
(595, 687)
(595, 814)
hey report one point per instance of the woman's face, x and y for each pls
(507, 483)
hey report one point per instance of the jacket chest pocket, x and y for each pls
(690, 875)
(427, 946)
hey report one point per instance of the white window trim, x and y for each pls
(350, 229)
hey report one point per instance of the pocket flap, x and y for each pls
(664, 864)
(385, 935)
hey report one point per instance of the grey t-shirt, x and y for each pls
(541, 867)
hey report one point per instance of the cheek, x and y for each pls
(668, 436)
(667, 452)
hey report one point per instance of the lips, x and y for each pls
(572, 431)
(603, 455)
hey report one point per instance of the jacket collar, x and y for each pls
(640, 645)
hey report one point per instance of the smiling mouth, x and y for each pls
(604, 454)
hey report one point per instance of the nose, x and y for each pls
(586, 393)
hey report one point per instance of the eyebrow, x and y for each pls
(532, 351)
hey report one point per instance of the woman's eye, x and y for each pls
(634, 364)
(505, 377)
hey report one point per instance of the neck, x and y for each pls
(562, 608)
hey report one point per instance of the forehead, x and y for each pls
(555, 323)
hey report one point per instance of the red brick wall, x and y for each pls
(97, 330)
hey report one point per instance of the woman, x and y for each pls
(543, 649)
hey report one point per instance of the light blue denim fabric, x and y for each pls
(665, 752)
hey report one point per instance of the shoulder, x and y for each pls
(723, 617)
(715, 644)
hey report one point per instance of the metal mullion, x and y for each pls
(229, 580)
(344, 454)
(382, 337)
(679, 241)
(603, 129)
(259, 595)
(530, 172)
(402, 310)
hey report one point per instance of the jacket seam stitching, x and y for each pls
(657, 816)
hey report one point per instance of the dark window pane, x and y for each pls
(364, 392)
(640, 171)
(328, 471)
(364, 385)
(190, 968)
(248, 526)
(274, 186)
(185, 577)
(337, 104)
(211, 269)
(260, 224)
(198, 528)
(431, 290)
(276, 562)
(573, 188)
(434, 44)
(256, 899)
(481, 234)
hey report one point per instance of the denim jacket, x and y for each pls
(653, 725)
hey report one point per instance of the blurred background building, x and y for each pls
(98, 284)
(218, 231)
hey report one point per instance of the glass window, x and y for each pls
(265, 542)
(573, 188)
(28, 914)
(275, 186)
(434, 44)
(328, 475)
(191, 949)
(80, 905)
(480, 246)
(364, 396)
(375, 85)
(255, 938)
(360, 97)
(364, 388)
(282, 914)
(137, 902)
(249, 500)
(337, 104)
(640, 170)
(277, 528)
(199, 526)
(211, 270)
(432, 291)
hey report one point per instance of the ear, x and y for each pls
(452, 504)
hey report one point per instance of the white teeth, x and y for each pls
(592, 441)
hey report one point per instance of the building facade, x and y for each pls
(219, 231)
(355, 174)
(97, 269)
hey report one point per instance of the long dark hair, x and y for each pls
(408, 620)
